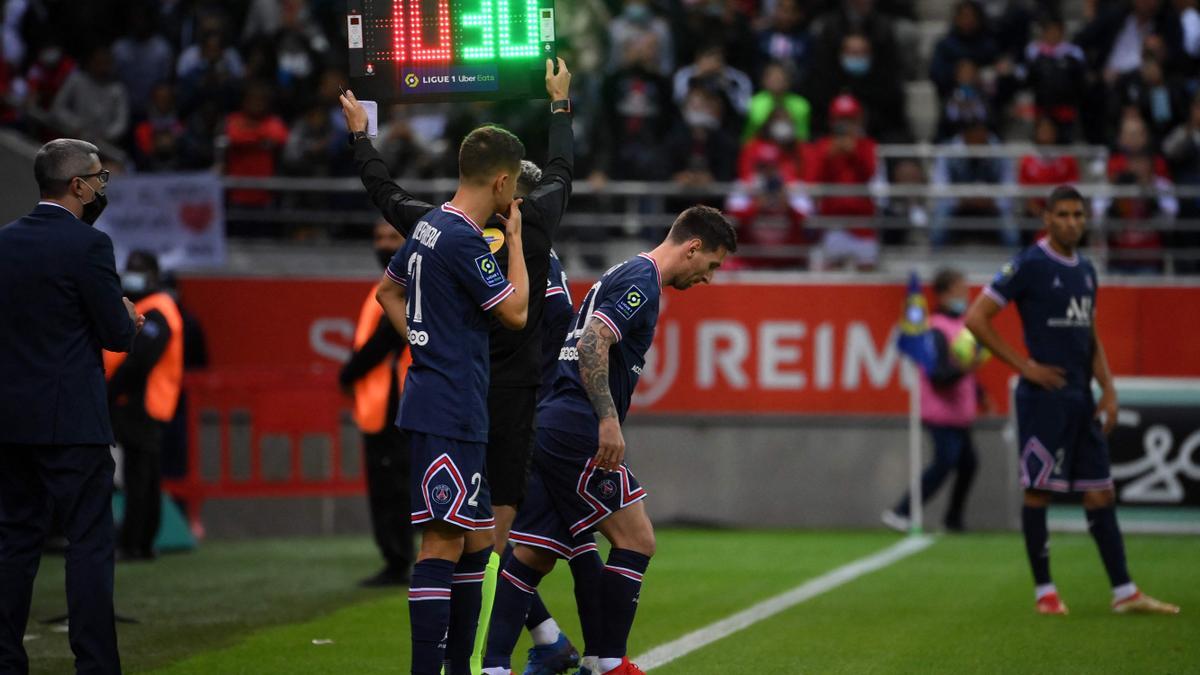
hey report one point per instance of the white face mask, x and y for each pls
(701, 119)
(134, 282)
(781, 132)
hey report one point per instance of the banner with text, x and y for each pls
(179, 217)
(728, 348)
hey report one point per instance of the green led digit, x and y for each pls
(485, 21)
(521, 50)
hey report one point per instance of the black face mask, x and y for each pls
(93, 209)
(384, 257)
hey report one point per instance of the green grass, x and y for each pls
(963, 605)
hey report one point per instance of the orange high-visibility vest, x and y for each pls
(166, 377)
(371, 392)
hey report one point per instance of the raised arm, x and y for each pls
(593, 349)
(551, 194)
(979, 322)
(398, 206)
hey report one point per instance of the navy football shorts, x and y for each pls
(567, 496)
(1062, 444)
(449, 482)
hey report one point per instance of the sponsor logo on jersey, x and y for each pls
(441, 493)
(1079, 314)
(418, 338)
(1005, 273)
(494, 238)
(631, 302)
(489, 270)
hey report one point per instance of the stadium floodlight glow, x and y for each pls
(446, 50)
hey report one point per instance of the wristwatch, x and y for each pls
(356, 136)
(564, 105)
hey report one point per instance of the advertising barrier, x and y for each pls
(179, 217)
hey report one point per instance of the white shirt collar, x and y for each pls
(55, 204)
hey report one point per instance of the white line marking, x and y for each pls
(664, 654)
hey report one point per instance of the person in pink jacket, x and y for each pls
(950, 401)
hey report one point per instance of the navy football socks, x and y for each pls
(429, 613)
(1037, 542)
(515, 590)
(465, 599)
(1102, 523)
(620, 587)
(588, 570)
(538, 614)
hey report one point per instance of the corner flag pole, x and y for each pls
(914, 449)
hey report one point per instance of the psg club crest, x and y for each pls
(607, 488)
(442, 494)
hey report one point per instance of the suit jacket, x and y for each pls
(60, 303)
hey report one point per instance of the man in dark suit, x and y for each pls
(60, 303)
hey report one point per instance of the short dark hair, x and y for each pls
(945, 278)
(708, 225)
(142, 260)
(59, 161)
(1063, 193)
(488, 150)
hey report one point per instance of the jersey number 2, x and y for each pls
(477, 481)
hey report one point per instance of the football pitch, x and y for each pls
(963, 604)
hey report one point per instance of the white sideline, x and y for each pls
(664, 654)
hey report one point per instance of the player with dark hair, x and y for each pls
(579, 481)
(1061, 427)
(515, 355)
(437, 292)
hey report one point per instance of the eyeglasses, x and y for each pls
(102, 174)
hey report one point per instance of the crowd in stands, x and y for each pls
(767, 94)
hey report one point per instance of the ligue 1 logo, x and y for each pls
(487, 266)
(634, 298)
(607, 488)
(412, 80)
(442, 493)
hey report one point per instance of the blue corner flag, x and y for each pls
(915, 341)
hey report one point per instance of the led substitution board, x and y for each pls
(419, 51)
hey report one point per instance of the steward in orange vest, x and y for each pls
(374, 376)
(143, 392)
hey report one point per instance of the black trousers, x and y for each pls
(141, 439)
(388, 472)
(72, 484)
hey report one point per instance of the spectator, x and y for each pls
(969, 40)
(711, 72)
(1133, 140)
(156, 138)
(871, 83)
(638, 114)
(857, 17)
(784, 40)
(702, 151)
(973, 170)
(1044, 168)
(706, 22)
(1189, 20)
(1135, 237)
(202, 127)
(969, 100)
(903, 215)
(1160, 102)
(313, 144)
(1182, 150)
(47, 74)
(300, 49)
(636, 21)
(769, 213)
(845, 157)
(264, 19)
(404, 147)
(209, 69)
(92, 103)
(144, 58)
(777, 95)
(255, 136)
(1056, 73)
(12, 94)
(777, 144)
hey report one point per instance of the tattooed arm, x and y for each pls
(593, 371)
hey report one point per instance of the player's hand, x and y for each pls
(1106, 408)
(512, 219)
(130, 309)
(356, 114)
(558, 85)
(1046, 377)
(612, 445)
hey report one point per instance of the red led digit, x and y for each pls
(421, 53)
(398, 46)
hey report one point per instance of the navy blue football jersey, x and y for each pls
(626, 299)
(1056, 298)
(452, 280)
(557, 313)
